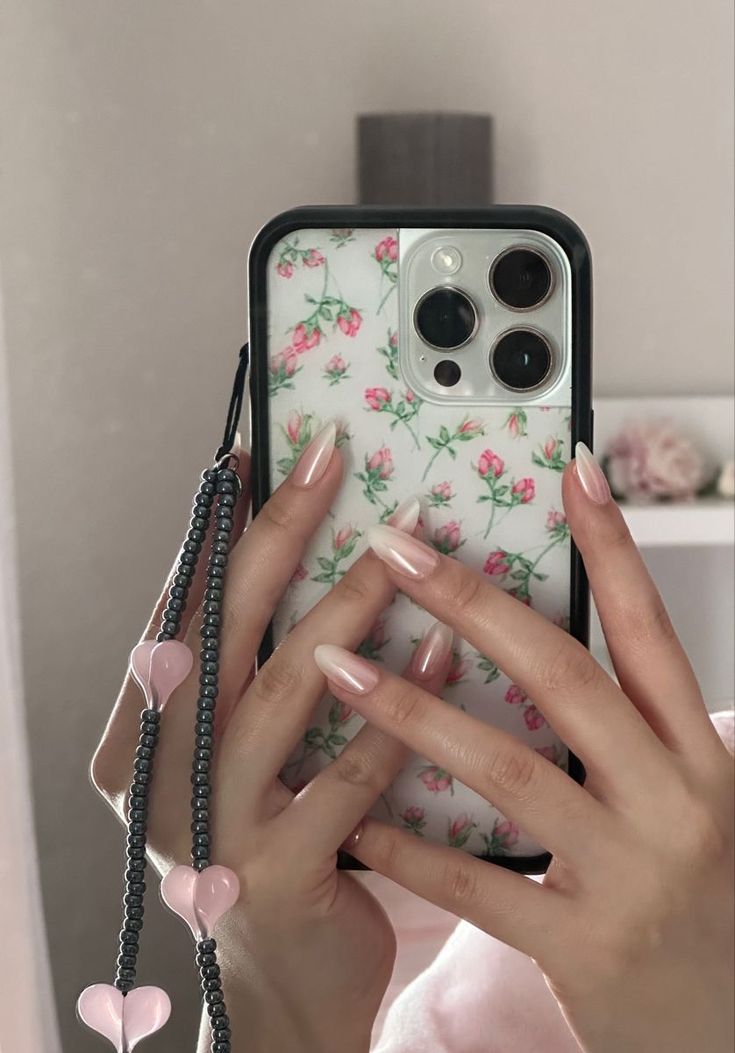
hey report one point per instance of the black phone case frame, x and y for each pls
(504, 217)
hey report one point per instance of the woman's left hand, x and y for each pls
(633, 924)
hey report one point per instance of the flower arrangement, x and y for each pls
(652, 460)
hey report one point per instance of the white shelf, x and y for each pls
(701, 522)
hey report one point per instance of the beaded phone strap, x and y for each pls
(203, 892)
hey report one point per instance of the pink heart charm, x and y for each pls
(159, 668)
(200, 898)
(124, 1019)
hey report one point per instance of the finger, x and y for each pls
(524, 786)
(511, 907)
(110, 767)
(327, 810)
(583, 705)
(269, 721)
(649, 661)
(265, 558)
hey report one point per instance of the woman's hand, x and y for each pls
(307, 953)
(633, 924)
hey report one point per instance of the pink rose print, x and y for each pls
(473, 428)
(517, 423)
(350, 322)
(524, 490)
(551, 753)
(457, 670)
(448, 537)
(533, 717)
(374, 642)
(496, 564)
(281, 369)
(377, 398)
(515, 695)
(306, 337)
(298, 435)
(466, 431)
(435, 779)
(340, 713)
(489, 462)
(550, 455)
(295, 426)
(488, 667)
(344, 541)
(387, 249)
(343, 538)
(375, 477)
(313, 258)
(381, 462)
(503, 837)
(413, 819)
(389, 352)
(403, 412)
(285, 269)
(393, 340)
(440, 495)
(342, 236)
(520, 595)
(556, 525)
(460, 830)
(299, 574)
(336, 370)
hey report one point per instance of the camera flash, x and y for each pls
(446, 259)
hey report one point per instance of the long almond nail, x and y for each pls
(433, 651)
(402, 552)
(590, 475)
(406, 516)
(313, 462)
(345, 669)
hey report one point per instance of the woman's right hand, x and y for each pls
(307, 953)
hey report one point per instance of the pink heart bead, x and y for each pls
(159, 668)
(200, 898)
(124, 1019)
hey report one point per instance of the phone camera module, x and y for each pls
(521, 359)
(447, 373)
(445, 318)
(521, 279)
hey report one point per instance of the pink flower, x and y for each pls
(285, 269)
(533, 717)
(471, 427)
(339, 713)
(313, 258)
(284, 360)
(409, 396)
(299, 574)
(490, 464)
(448, 537)
(294, 427)
(525, 598)
(413, 815)
(549, 752)
(336, 364)
(381, 461)
(652, 459)
(343, 537)
(515, 695)
(350, 324)
(514, 426)
(387, 249)
(304, 341)
(495, 563)
(393, 339)
(457, 669)
(555, 519)
(442, 491)
(550, 448)
(506, 833)
(435, 779)
(525, 489)
(376, 398)
(376, 637)
(460, 826)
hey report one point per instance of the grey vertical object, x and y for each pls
(426, 159)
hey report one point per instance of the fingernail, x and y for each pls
(591, 475)
(402, 552)
(406, 516)
(313, 462)
(345, 669)
(354, 839)
(433, 650)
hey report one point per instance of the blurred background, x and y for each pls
(142, 146)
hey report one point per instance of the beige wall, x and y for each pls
(142, 145)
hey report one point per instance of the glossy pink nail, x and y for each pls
(406, 516)
(402, 552)
(433, 650)
(313, 462)
(345, 669)
(590, 475)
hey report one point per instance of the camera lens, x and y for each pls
(445, 318)
(521, 279)
(447, 373)
(521, 359)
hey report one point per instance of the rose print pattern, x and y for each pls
(330, 363)
(550, 455)
(492, 471)
(532, 716)
(291, 255)
(448, 441)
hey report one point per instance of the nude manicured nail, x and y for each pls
(402, 552)
(354, 838)
(432, 651)
(313, 462)
(591, 475)
(406, 516)
(345, 669)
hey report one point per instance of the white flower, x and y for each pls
(651, 460)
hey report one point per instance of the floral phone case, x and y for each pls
(325, 338)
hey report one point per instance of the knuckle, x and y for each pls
(701, 841)
(570, 670)
(512, 770)
(278, 514)
(354, 588)
(386, 851)
(277, 680)
(354, 768)
(460, 882)
(467, 589)
(644, 623)
(401, 703)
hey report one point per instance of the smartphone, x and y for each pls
(453, 350)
